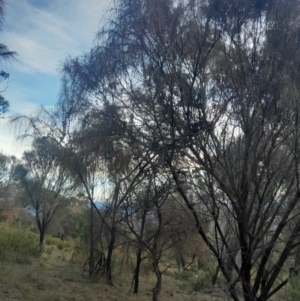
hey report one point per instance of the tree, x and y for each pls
(45, 181)
(66, 221)
(212, 88)
(148, 221)
(107, 167)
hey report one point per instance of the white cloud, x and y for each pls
(33, 56)
(43, 38)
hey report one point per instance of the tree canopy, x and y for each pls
(198, 100)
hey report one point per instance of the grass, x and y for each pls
(18, 245)
(196, 281)
(53, 274)
(54, 277)
(61, 244)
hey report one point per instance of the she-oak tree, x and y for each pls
(212, 87)
(211, 91)
(45, 182)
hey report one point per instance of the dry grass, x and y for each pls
(53, 277)
(55, 274)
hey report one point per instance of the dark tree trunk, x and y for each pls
(156, 290)
(109, 257)
(137, 271)
(139, 255)
(215, 276)
(42, 236)
(182, 261)
(246, 285)
(42, 228)
(91, 259)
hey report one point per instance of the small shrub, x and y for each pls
(193, 281)
(77, 256)
(50, 240)
(183, 275)
(146, 268)
(17, 244)
(199, 283)
(49, 249)
(291, 291)
(122, 262)
(61, 244)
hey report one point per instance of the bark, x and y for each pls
(215, 276)
(42, 236)
(91, 261)
(42, 229)
(109, 257)
(156, 290)
(139, 255)
(137, 271)
(182, 261)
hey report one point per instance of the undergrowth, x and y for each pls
(61, 244)
(291, 292)
(17, 244)
(196, 281)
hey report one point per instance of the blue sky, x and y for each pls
(44, 33)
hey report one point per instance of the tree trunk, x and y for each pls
(182, 261)
(137, 271)
(139, 255)
(42, 229)
(156, 290)
(246, 285)
(42, 236)
(91, 255)
(109, 257)
(215, 276)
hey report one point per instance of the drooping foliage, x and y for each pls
(198, 100)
